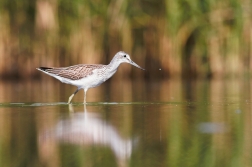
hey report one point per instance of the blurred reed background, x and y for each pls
(197, 38)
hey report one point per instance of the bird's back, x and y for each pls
(75, 72)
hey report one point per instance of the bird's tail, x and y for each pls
(43, 68)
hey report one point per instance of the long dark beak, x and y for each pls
(134, 64)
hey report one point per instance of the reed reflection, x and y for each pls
(88, 130)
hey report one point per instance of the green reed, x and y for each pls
(172, 38)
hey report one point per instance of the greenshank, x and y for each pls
(86, 76)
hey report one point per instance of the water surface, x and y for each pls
(156, 123)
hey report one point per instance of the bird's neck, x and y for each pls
(113, 65)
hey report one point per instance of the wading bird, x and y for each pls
(86, 76)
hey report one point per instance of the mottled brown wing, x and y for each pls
(75, 72)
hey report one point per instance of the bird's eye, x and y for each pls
(124, 56)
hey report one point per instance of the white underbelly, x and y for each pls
(87, 82)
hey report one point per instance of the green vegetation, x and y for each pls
(200, 38)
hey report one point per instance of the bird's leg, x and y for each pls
(70, 107)
(70, 98)
(85, 92)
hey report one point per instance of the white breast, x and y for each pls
(98, 77)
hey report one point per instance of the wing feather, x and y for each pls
(75, 72)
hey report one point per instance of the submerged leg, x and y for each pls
(70, 98)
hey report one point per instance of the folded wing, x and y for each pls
(75, 72)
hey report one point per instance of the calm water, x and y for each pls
(161, 123)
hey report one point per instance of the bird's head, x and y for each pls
(122, 57)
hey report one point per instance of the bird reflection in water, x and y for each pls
(89, 129)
